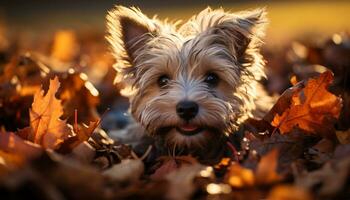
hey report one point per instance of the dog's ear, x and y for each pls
(128, 32)
(239, 31)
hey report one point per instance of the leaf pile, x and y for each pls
(59, 108)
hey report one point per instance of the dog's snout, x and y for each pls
(187, 109)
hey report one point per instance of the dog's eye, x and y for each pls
(212, 79)
(163, 81)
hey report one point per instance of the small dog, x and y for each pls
(190, 84)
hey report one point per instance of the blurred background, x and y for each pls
(40, 38)
(287, 18)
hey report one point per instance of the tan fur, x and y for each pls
(212, 41)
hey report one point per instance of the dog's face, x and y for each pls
(190, 84)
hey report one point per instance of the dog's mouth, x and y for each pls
(189, 129)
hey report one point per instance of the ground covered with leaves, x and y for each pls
(59, 108)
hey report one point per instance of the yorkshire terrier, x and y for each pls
(190, 84)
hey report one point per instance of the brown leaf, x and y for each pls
(82, 134)
(48, 129)
(343, 136)
(312, 109)
(330, 180)
(290, 148)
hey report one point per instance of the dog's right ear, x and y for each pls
(128, 32)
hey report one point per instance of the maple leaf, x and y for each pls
(47, 129)
(312, 109)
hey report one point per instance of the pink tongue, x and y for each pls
(188, 127)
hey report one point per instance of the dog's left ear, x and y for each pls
(128, 32)
(238, 31)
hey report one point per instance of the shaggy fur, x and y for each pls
(214, 41)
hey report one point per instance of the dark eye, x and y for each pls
(163, 81)
(212, 79)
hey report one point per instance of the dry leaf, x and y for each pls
(82, 134)
(48, 129)
(169, 164)
(14, 151)
(240, 177)
(181, 182)
(312, 109)
(127, 170)
(289, 192)
(343, 136)
(11, 143)
(266, 172)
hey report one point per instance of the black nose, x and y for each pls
(187, 109)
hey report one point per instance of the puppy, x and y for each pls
(190, 84)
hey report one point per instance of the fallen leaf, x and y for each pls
(48, 129)
(14, 151)
(290, 148)
(312, 109)
(11, 143)
(126, 171)
(182, 181)
(343, 136)
(10, 161)
(266, 172)
(169, 164)
(82, 134)
(330, 180)
(240, 177)
(289, 192)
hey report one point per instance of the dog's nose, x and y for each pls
(187, 109)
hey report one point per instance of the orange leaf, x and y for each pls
(240, 177)
(266, 171)
(312, 108)
(11, 143)
(48, 129)
(289, 192)
(14, 151)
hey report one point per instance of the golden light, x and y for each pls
(337, 39)
(71, 71)
(83, 76)
(91, 88)
(214, 188)
(299, 49)
(207, 172)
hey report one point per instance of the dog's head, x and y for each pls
(189, 83)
